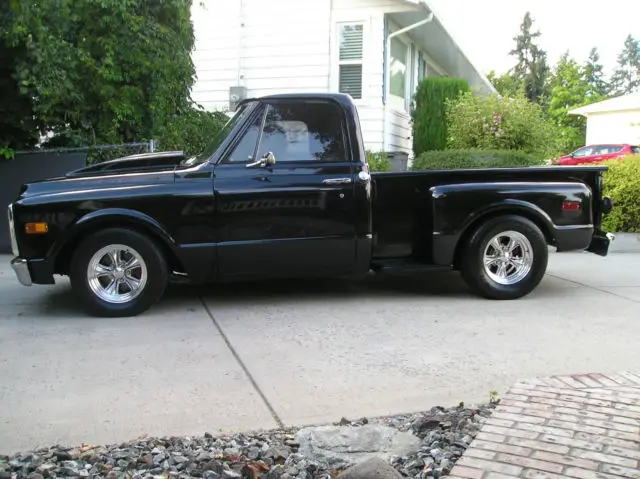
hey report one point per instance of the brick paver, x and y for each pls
(583, 426)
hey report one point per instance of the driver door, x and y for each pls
(293, 215)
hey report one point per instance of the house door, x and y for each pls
(285, 200)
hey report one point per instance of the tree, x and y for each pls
(594, 75)
(569, 89)
(532, 68)
(97, 71)
(626, 78)
(506, 84)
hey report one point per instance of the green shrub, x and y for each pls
(622, 184)
(429, 113)
(191, 131)
(473, 158)
(495, 123)
(378, 161)
(6, 153)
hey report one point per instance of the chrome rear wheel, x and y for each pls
(508, 257)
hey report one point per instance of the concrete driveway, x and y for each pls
(243, 357)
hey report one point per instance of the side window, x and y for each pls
(301, 131)
(587, 151)
(243, 151)
(635, 149)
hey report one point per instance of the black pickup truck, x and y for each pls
(285, 191)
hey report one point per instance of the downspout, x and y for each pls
(387, 87)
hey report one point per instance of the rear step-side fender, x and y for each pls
(458, 209)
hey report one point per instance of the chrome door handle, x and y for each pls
(336, 181)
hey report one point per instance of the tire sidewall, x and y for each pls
(474, 260)
(156, 272)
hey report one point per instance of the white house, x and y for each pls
(613, 121)
(375, 50)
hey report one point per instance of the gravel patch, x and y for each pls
(443, 436)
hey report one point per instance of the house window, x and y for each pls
(350, 59)
(398, 71)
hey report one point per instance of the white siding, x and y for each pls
(280, 46)
(217, 30)
(371, 106)
(614, 127)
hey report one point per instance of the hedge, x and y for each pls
(378, 161)
(452, 159)
(622, 184)
(429, 114)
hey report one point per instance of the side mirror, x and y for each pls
(268, 159)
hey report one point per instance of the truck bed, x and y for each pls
(406, 219)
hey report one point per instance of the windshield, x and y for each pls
(238, 117)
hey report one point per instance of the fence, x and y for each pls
(100, 153)
(35, 165)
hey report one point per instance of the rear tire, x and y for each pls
(118, 273)
(505, 258)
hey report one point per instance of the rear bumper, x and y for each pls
(32, 271)
(600, 243)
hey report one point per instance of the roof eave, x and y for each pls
(429, 8)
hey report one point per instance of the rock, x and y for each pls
(253, 453)
(211, 475)
(277, 453)
(373, 468)
(446, 465)
(5, 475)
(63, 456)
(158, 459)
(346, 444)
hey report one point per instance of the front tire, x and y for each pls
(505, 258)
(118, 272)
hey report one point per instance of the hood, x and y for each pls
(142, 163)
(130, 173)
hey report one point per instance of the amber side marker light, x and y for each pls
(36, 228)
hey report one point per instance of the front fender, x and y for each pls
(112, 217)
(458, 208)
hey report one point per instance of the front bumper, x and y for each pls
(32, 271)
(21, 268)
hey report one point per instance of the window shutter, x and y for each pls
(350, 60)
(351, 80)
(351, 38)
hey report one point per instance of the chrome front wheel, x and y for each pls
(117, 274)
(508, 257)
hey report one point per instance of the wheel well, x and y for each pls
(466, 234)
(62, 260)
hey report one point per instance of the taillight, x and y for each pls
(570, 206)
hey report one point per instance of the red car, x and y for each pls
(597, 153)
